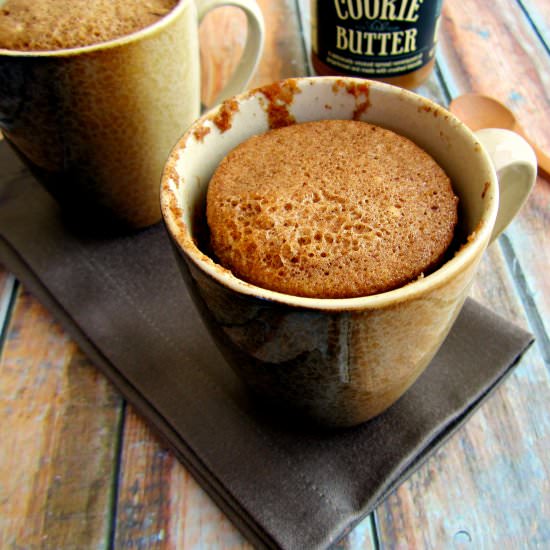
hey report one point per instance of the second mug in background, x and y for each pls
(95, 123)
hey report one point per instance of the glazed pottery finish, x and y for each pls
(95, 124)
(338, 362)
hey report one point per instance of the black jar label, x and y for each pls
(375, 38)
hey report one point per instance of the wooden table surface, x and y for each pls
(79, 469)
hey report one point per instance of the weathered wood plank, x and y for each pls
(492, 49)
(497, 459)
(539, 14)
(283, 53)
(159, 503)
(487, 485)
(59, 436)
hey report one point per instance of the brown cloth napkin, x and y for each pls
(123, 300)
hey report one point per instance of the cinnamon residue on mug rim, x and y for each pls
(280, 95)
(357, 90)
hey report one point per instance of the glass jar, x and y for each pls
(389, 40)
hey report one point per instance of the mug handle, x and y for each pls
(252, 49)
(516, 168)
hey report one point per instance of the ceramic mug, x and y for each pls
(340, 362)
(96, 123)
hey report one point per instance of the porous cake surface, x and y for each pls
(330, 209)
(39, 25)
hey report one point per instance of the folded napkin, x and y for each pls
(124, 302)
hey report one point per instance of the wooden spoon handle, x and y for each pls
(543, 160)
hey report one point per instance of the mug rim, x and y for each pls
(105, 45)
(467, 254)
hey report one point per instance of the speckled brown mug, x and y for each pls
(340, 361)
(95, 123)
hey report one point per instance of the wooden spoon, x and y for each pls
(479, 111)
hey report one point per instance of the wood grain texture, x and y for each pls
(488, 485)
(284, 55)
(159, 503)
(58, 430)
(539, 14)
(493, 49)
